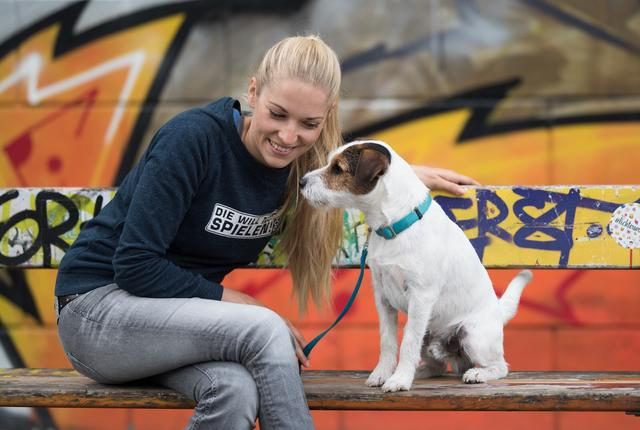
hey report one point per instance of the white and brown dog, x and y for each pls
(430, 271)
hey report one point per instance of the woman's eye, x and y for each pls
(276, 114)
(311, 124)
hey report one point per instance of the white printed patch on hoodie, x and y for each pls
(230, 222)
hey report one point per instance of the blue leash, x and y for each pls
(388, 232)
(307, 349)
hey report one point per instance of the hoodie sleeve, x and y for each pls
(166, 185)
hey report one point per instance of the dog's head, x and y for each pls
(353, 171)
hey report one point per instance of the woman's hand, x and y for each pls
(300, 343)
(233, 296)
(438, 179)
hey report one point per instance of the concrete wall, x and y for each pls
(509, 92)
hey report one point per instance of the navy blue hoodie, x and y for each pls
(195, 207)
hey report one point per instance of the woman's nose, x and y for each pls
(288, 135)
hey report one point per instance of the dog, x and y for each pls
(430, 271)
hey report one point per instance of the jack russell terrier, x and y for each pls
(422, 264)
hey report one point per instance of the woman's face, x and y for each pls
(288, 116)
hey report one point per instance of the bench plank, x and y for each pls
(346, 390)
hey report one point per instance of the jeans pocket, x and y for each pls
(86, 370)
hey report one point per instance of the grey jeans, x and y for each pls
(236, 361)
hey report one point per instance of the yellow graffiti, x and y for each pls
(587, 153)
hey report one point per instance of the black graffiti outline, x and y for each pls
(48, 235)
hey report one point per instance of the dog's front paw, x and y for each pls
(397, 382)
(379, 375)
(474, 375)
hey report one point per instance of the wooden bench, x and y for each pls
(345, 390)
(549, 227)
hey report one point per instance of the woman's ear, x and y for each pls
(252, 92)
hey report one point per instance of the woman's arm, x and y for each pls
(438, 179)
(165, 184)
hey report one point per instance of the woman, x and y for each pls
(139, 293)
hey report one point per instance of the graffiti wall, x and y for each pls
(510, 92)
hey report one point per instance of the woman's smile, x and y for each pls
(280, 149)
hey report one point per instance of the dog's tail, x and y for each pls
(511, 297)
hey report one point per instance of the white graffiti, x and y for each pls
(30, 68)
(20, 241)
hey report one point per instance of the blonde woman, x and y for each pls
(139, 293)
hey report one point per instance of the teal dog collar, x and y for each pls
(391, 231)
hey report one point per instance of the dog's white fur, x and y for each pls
(432, 273)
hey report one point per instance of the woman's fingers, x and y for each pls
(299, 344)
(448, 186)
(456, 177)
(300, 354)
(438, 179)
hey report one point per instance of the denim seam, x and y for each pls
(209, 401)
(85, 365)
(258, 375)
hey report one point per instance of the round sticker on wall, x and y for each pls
(625, 225)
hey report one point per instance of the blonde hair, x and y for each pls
(311, 238)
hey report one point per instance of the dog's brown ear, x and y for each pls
(371, 165)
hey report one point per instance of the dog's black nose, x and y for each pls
(303, 182)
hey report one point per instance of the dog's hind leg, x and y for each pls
(460, 364)
(478, 374)
(483, 347)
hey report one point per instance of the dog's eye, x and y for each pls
(336, 169)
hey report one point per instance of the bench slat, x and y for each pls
(346, 390)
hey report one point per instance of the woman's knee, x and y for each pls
(270, 332)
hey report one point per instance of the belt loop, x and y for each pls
(55, 308)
